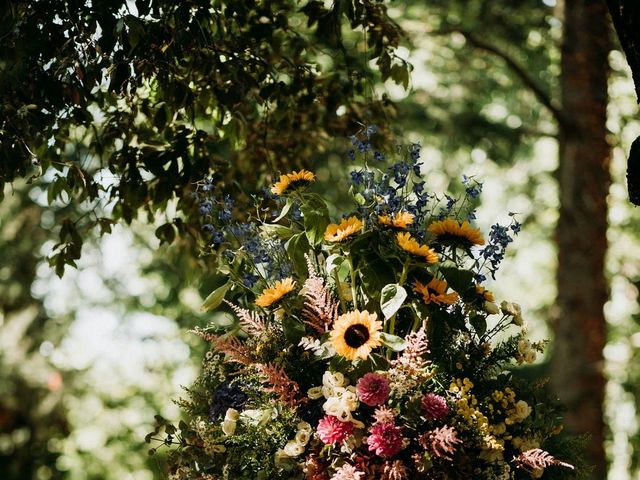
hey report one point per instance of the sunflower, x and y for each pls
(409, 244)
(347, 227)
(399, 220)
(434, 292)
(292, 180)
(355, 334)
(484, 294)
(452, 231)
(271, 295)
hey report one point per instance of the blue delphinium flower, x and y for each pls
(227, 395)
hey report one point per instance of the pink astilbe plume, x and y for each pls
(233, 347)
(347, 472)
(410, 367)
(395, 470)
(441, 442)
(537, 459)
(320, 308)
(251, 322)
(287, 390)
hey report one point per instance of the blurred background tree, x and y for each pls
(130, 103)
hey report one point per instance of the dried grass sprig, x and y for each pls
(287, 390)
(233, 347)
(251, 322)
(320, 309)
(537, 458)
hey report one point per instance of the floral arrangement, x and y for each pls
(367, 347)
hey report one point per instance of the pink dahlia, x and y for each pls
(385, 439)
(434, 406)
(373, 389)
(331, 430)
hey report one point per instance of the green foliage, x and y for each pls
(132, 103)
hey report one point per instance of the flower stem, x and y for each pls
(353, 281)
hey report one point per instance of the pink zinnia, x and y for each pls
(331, 430)
(373, 389)
(434, 406)
(385, 439)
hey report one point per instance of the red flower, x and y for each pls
(385, 439)
(331, 430)
(373, 389)
(434, 406)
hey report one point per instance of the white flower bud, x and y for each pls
(232, 414)
(315, 393)
(491, 308)
(524, 346)
(293, 449)
(229, 427)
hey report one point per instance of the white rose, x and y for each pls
(332, 405)
(524, 346)
(293, 449)
(281, 456)
(344, 415)
(305, 427)
(523, 410)
(315, 393)
(530, 356)
(303, 437)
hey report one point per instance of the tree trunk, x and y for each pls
(584, 179)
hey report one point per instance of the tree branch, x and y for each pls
(542, 96)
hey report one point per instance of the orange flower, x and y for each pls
(435, 292)
(409, 244)
(271, 295)
(347, 227)
(452, 231)
(292, 180)
(484, 293)
(399, 220)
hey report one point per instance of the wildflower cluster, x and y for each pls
(367, 347)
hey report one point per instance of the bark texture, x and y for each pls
(584, 178)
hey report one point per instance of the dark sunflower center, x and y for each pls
(356, 335)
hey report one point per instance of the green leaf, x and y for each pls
(395, 343)
(285, 210)
(215, 298)
(374, 274)
(391, 298)
(316, 218)
(333, 261)
(293, 329)
(459, 280)
(296, 247)
(479, 324)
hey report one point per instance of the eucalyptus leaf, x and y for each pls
(391, 299)
(395, 343)
(285, 210)
(333, 261)
(215, 298)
